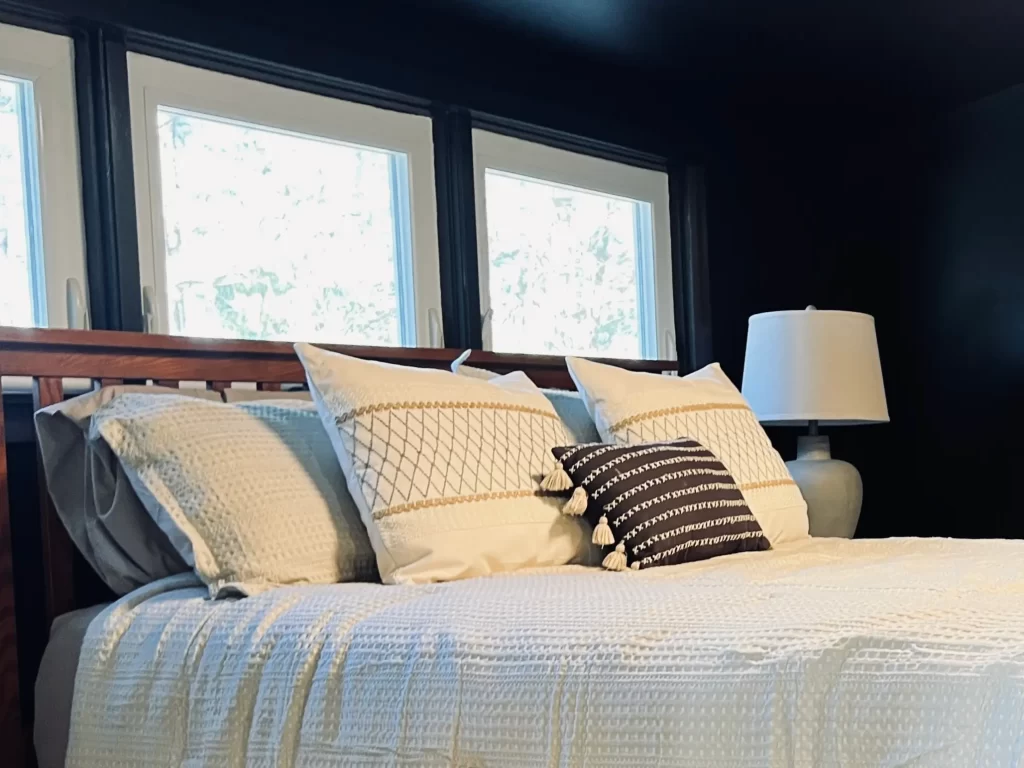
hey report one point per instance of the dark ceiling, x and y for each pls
(900, 54)
(930, 51)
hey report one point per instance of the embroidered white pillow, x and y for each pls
(445, 469)
(250, 495)
(630, 407)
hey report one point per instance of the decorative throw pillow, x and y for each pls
(658, 503)
(630, 408)
(446, 470)
(250, 495)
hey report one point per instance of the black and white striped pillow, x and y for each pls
(659, 503)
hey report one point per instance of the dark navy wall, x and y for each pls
(820, 189)
(961, 301)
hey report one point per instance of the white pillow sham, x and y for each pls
(250, 494)
(631, 407)
(445, 469)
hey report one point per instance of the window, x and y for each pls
(574, 252)
(269, 213)
(42, 260)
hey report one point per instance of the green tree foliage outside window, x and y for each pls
(271, 235)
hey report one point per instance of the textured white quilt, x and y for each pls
(824, 653)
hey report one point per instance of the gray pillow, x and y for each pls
(573, 412)
(94, 498)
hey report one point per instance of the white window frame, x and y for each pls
(47, 62)
(154, 83)
(492, 151)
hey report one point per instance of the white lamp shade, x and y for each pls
(810, 364)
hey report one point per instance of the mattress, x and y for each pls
(55, 685)
(821, 653)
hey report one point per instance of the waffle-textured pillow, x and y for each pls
(630, 407)
(250, 495)
(658, 503)
(94, 498)
(445, 469)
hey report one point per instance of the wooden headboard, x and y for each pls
(105, 357)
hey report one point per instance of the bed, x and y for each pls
(42, 576)
(818, 652)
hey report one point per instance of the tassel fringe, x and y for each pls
(635, 565)
(557, 480)
(577, 503)
(602, 533)
(616, 560)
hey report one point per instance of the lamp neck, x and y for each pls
(813, 447)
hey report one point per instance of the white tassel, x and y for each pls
(577, 503)
(635, 565)
(557, 480)
(602, 533)
(616, 560)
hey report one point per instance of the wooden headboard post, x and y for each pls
(47, 357)
(12, 737)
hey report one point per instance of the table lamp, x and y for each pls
(817, 368)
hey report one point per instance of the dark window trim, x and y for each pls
(34, 17)
(108, 178)
(108, 181)
(568, 141)
(690, 270)
(219, 60)
(284, 75)
(456, 227)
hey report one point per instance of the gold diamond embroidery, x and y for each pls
(731, 433)
(408, 453)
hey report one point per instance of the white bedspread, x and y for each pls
(825, 653)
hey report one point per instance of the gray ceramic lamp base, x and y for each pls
(832, 488)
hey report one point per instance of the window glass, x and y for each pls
(564, 269)
(42, 243)
(574, 252)
(21, 300)
(267, 212)
(274, 235)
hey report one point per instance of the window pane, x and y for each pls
(565, 275)
(20, 295)
(272, 235)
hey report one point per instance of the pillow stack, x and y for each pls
(409, 475)
(93, 496)
(250, 495)
(631, 408)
